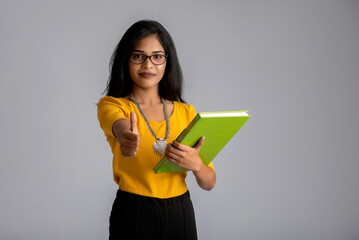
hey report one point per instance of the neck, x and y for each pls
(146, 96)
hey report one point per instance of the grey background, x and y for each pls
(291, 171)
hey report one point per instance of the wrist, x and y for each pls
(200, 168)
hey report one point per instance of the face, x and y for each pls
(147, 75)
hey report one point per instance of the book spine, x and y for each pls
(159, 164)
(188, 128)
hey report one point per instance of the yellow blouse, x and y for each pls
(136, 175)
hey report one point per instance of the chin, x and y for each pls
(147, 86)
(146, 83)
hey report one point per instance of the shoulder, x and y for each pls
(109, 105)
(185, 108)
(114, 102)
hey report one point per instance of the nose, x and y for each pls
(147, 63)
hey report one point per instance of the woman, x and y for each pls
(142, 112)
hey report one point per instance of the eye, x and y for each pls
(138, 56)
(158, 56)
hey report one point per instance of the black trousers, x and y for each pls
(139, 217)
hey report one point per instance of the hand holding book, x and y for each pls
(185, 156)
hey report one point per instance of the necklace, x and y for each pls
(160, 145)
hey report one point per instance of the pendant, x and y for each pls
(160, 146)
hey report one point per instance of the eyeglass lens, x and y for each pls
(156, 59)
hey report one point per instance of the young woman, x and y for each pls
(142, 112)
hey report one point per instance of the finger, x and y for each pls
(131, 154)
(175, 151)
(128, 143)
(170, 155)
(128, 150)
(179, 145)
(128, 154)
(131, 136)
(176, 162)
(133, 120)
(172, 158)
(199, 143)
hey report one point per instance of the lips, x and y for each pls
(147, 74)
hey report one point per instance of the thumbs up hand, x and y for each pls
(130, 139)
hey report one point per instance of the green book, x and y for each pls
(217, 127)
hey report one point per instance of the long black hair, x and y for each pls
(120, 84)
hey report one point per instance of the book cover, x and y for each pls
(218, 128)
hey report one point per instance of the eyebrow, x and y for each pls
(152, 52)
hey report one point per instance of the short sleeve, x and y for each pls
(211, 165)
(109, 110)
(192, 111)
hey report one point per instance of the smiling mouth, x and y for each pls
(147, 75)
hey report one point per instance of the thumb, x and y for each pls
(199, 143)
(133, 120)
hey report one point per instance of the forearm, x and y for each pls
(205, 177)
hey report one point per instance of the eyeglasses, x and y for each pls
(156, 59)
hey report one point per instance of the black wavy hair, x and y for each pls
(120, 83)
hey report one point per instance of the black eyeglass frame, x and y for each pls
(150, 57)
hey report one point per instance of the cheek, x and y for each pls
(132, 70)
(163, 69)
